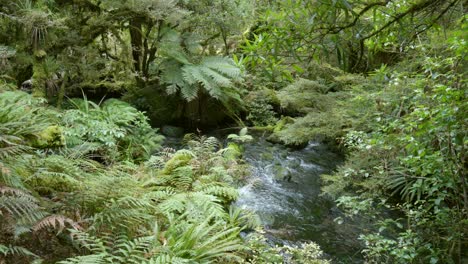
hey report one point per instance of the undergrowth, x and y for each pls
(92, 184)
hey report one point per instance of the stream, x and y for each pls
(284, 190)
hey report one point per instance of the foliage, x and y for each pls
(90, 181)
(114, 125)
(413, 155)
(174, 207)
(260, 252)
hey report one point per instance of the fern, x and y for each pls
(16, 250)
(19, 204)
(19, 122)
(197, 203)
(88, 259)
(202, 242)
(182, 72)
(225, 192)
(57, 222)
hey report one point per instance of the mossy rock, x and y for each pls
(282, 123)
(280, 172)
(346, 82)
(322, 71)
(321, 126)
(304, 96)
(51, 137)
(274, 138)
(269, 95)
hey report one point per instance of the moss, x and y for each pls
(304, 96)
(40, 54)
(268, 128)
(51, 137)
(346, 81)
(282, 123)
(280, 126)
(324, 71)
(269, 95)
(39, 80)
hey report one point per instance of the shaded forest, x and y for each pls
(90, 91)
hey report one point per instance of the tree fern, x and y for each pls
(183, 71)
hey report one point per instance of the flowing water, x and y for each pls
(284, 190)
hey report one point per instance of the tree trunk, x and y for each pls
(137, 43)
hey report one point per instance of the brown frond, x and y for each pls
(57, 222)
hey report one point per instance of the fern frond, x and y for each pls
(19, 204)
(93, 244)
(189, 92)
(166, 259)
(224, 66)
(126, 212)
(197, 203)
(128, 250)
(16, 250)
(88, 259)
(203, 241)
(228, 193)
(56, 222)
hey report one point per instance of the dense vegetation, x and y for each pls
(84, 85)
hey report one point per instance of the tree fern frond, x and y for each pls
(126, 212)
(189, 92)
(218, 78)
(197, 203)
(128, 250)
(223, 65)
(20, 207)
(171, 72)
